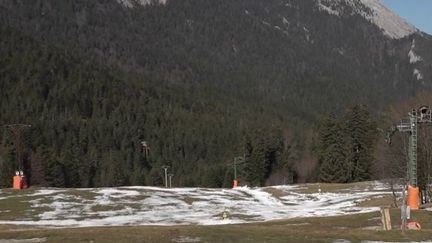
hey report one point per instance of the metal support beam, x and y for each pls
(412, 162)
(166, 167)
(16, 130)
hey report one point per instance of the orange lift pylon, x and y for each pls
(18, 180)
(415, 118)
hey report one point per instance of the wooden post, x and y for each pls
(385, 219)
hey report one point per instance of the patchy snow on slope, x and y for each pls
(285, 21)
(32, 240)
(417, 74)
(186, 206)
(391, 24)
(412, 55)
(132, 3)
(328, 6)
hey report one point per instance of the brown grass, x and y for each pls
(191, 200)
(331, 187)
(326, 229)
(275, 192)
(385, 201)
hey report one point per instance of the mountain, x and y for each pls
(373, 10)
(202, 81)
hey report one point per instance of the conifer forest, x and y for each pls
(114, 93)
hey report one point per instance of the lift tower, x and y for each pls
(16, 130)
(409, 125)
(19, 181)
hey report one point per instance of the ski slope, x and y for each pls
(52, 207)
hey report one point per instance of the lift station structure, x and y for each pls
(409, 125)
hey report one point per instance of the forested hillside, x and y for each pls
(88, 123)
(201, 81)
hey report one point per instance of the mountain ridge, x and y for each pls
(392, 25)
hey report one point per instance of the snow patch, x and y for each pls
(412, 55)
(266, 23)
(186, 206)
(46, 192)
(32, 240)
(327, 8)
(417, 74)
(307, 34)
(187, 239)
(133, 3)
(341, 51)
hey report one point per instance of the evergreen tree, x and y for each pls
(7, 166)
(263, 153)
(54, 170)
(71, 160)
(360, 133)
(332, 152)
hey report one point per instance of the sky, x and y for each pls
(416, 12)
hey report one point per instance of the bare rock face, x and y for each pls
(373, 10)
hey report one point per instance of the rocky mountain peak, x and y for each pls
(375, 11)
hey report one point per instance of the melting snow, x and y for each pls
(391, 24)
(187, 239)
(417, 74)
(185, 206)
(131, 3)
(32, 240)
(328, 9)
(412, 55)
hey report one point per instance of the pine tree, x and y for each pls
(7, 166)
(361, 134)
(54, 170)
(331, 152)
(71, 161)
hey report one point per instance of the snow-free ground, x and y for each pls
(52, 207)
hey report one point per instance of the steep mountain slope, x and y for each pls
(205, 74)
(375, 11)
(296, 38)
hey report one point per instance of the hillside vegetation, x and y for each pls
(201, 81)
